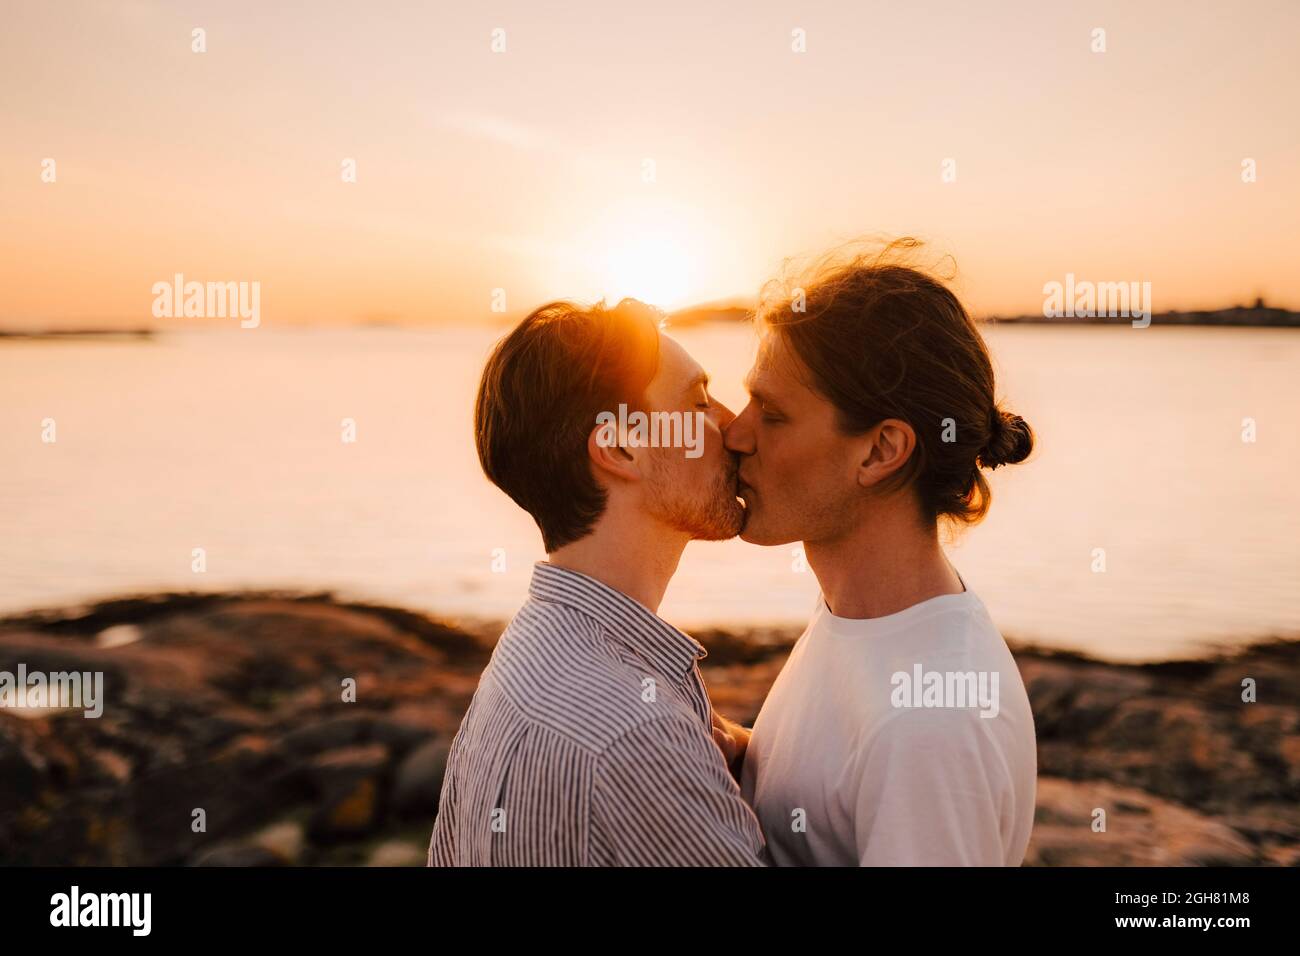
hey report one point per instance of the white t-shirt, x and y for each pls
(871, 748)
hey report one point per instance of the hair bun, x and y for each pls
(1010, 440)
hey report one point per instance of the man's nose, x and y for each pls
(737, 435)
(725, 415)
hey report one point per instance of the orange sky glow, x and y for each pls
(675, 152)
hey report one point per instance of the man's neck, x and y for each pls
(637, 558)
(886, 564)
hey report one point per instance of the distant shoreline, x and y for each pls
(1254, 316)
(1257, 316)
(65, 334)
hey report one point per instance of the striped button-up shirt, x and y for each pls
(589, 743)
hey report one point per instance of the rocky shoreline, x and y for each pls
(232, 705)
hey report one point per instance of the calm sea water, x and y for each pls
(230, 441)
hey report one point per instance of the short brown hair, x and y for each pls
(882, 339)
(538, 399)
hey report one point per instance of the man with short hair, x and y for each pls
(589, 740)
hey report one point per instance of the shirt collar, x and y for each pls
(627, 620)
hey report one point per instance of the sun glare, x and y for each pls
(653, 267)
(647, 249)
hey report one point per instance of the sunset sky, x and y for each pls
(523, 170)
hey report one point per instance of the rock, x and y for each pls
(1289, 750)
(229, 704)
(1270, 718)
(232, 703)
(284, 840)
(365, 760)
(237, 854)
(352, 784)
(119, 635)
(328, 734)
(1274, 677)
(397, 853)
(114, 766)
(1141, 830)
(419, 780)
(21, 775)
(346, 730)
(348, 812)
(398, 735)
(1267, 823)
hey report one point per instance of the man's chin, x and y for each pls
(724, 526)
(755, 532)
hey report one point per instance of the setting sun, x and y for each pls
(647, 248)
(653, 267)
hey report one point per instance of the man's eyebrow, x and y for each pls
(754, 389)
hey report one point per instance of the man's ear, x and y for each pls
(610, 460)
(888, 446)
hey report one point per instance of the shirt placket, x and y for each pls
(699, 696)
